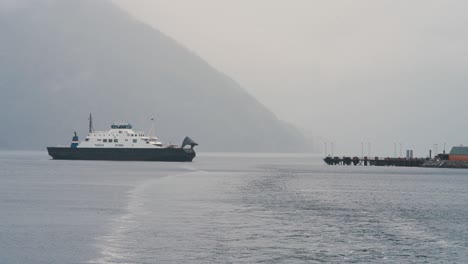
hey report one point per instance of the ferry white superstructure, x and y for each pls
(121, 135)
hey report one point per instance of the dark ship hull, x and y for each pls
(122, 154)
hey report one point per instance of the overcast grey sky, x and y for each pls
(346, 71)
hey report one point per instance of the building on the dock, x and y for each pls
(459, 153)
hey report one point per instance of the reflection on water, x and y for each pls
(229, 209)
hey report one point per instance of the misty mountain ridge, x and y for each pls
(62, 59)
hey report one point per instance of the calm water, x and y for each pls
(228, 209)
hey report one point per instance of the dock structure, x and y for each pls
(356, 161)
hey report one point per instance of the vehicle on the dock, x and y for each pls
(123, 143)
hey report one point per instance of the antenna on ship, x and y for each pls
(91, 128)
(153, 127)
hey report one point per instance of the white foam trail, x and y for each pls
(114, 247)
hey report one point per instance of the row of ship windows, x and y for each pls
(134, 135)
(111, 140)
(131, 135)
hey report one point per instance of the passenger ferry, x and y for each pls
(121, 142)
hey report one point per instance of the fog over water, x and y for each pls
(382, 72)
(63, 59)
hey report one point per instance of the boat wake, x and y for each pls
(120, 244)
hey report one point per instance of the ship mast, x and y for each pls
(153, 128)
(91, 129)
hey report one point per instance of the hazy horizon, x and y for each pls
(261, 86)
(342, 71)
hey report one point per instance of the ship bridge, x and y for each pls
(121, 126)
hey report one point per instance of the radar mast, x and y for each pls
(152, 130)
(91, 128)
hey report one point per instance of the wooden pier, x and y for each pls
(356, 161)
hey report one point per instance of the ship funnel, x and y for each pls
(75, 141)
